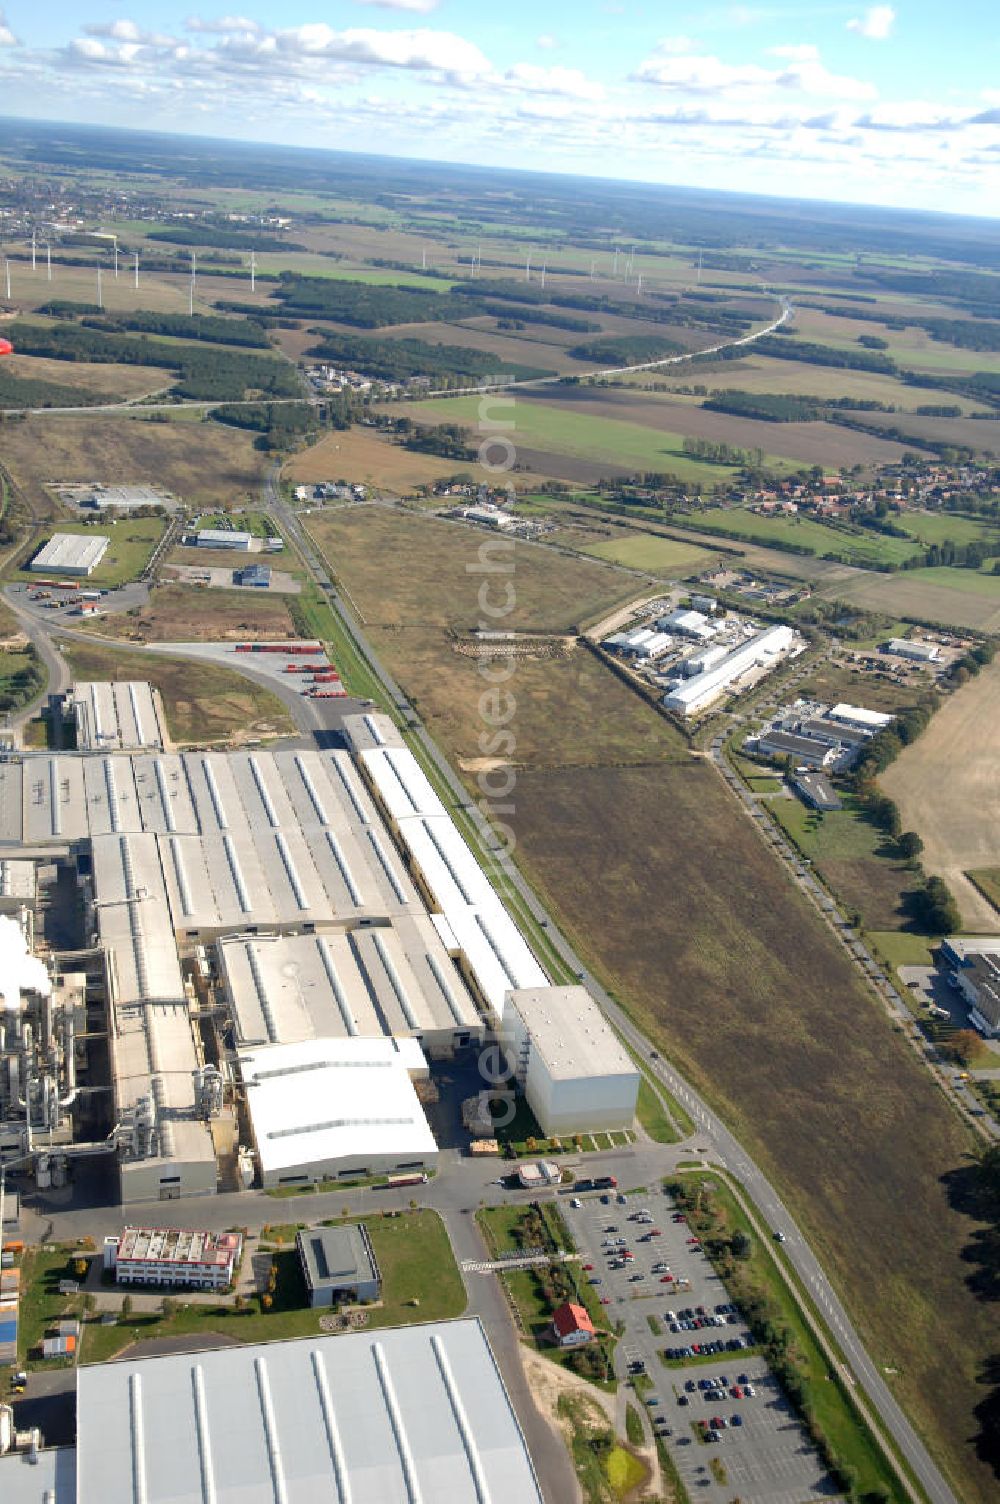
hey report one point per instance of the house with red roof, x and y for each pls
(571, 1326)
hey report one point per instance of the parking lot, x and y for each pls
(759, 1452)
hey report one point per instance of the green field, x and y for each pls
(856, 860)
(965, 581)
(653, 554)
(942, 527)
(856, 547)
(132, 541)
(556, 430)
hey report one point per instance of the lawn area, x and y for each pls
(987, 880)
(862, 547)
(940, 527)
(21, 676)
(403, 569)
(655, 555)
(902, 948)
(825, 1398)
(41, 1304)
(739, 982)
(655, 1120)
(203, 703)
(966, 581)
(857, 861)
(838, 683)
(606, 1471)
(548, 429)
(132, 540)
(421, 1282)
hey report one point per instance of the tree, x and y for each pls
(127, 1305)
(267, 1301)
(963, 1046)
(910, 845)
(168, 1307)
(80, 1268)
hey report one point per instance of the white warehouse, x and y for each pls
(575, 1073)
(70, 553)
(701, 690)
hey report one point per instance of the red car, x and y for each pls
(666, 1279)
(695, 1242)
(588, 1266)
(605, 1300)
(654, 1232)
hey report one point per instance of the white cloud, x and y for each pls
(433, 51)
(546, 42)
(7, 37)
(222, 25)
(876, 23)
(567, 82)
(797, 52)
(128, 32)
(416, 7)
(672, 46)
(709, 75)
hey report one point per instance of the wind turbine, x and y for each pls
(116, 255)
(100, 294)
(7, 269)
(136, 268)
(48, 263)
(253, 271)
(32, 250)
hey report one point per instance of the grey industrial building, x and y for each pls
(338, 1264)
(384, 1417)
(816, 790)
(807, 751)
(122, 716)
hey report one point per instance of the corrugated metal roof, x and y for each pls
(389, 1417)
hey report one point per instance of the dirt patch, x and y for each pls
(178, 613)
(363, 457)
(549, 1381)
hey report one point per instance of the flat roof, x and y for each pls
(372, 729)
(336, 1256)
(227, 537)
(701, 688)
(860, 716)
(116, 716)
(51, 1479)
(71, 551)
(570, 1033)
(381, 1417)
(330, 1099)
(394, 979)
(177, 1245)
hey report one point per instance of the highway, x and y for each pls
(721, 1144)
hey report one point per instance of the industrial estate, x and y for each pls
(499, 962)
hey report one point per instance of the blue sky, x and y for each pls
(893, 104)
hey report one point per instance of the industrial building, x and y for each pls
(338, 1264)
(382, 1417)
(864, 719)
(172, 1256)
(329, 1109)
(805, 751)
(576, 1074)
(979, 983)
(395, 979)
(689, 624)
(122, 716)
(817, 791)
(70, 553)
(914, 648)
(693, 695)
(255, 577)
(211, 537)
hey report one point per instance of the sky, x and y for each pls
(882, 104)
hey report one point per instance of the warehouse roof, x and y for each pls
(570, 1033)
(116, 716)
(133, 918)
(73, 552)
(372, 729)
(396, 979)
(381, 1417)
(224, 537)
(701, 689)
(329, 1099)
(50, 1479)
(858, 715)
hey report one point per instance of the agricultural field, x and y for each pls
(858, 862)
(947, 527)
(549, 431)
(553, 699)
(987, 881)
(803, 532)
(203, 703)
(114, 383)
(766, 374)
(181, 613)
(961, 598)
(947, 789)
(203, 464)
(132, 541)
(788, 444)
(652, 553)
(740, 982)
(401, 569)
(362, 456)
